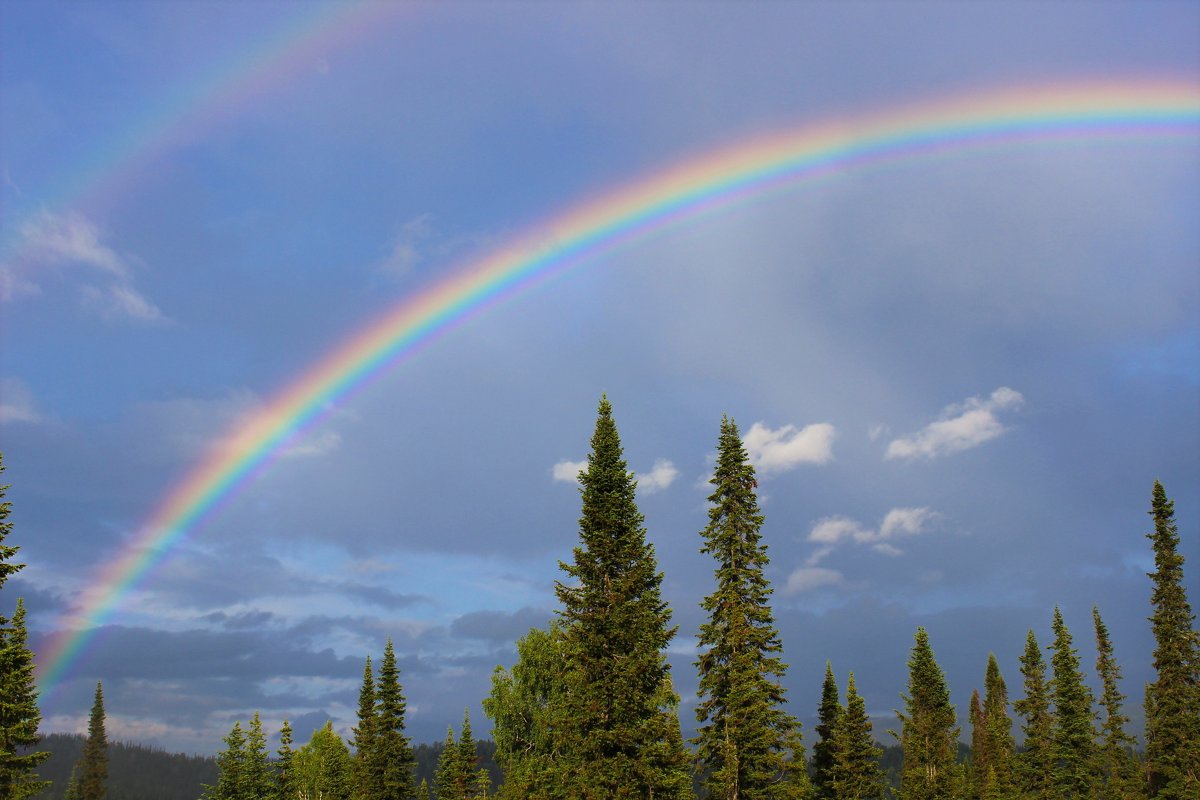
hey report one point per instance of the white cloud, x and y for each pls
(808, 578)
(959, 427)
(121, 302)
(317, 445)
(72, 242)
(407, 252)
(17, 403)
(660, 476)
(831, 531)
(568, 471)
(788, 447)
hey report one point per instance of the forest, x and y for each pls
(589, 710)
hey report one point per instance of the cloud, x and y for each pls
(71, 241)
(568, 471)
(660, 476)
(407, 251)
(831, 531)
(786, 448)
(806, 579)
(960, 427)
(17, 403)
(315, 445)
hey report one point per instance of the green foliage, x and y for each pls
(744, 736)
(285, 781)
(450, 772)
(1035, 766)
(322, 767)
(259, 775)
(1173, 699)
(391, 755)
(366, 778)
(19, 713)
(525, 706)
(135, 772)
(928, 734)
(622, 735)
(91, 774)
(997, 775)
(828, 714)
(1074, 731)
(855, 772)
(231, 764)
(1118, 778)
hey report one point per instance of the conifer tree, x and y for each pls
(322, 767)
(367, 779)
(743, 739)
(392, 755)
(423, 791)
(285, 778)
(449, 779)
(91, 772)
(855, 773)
(1000, 746)
(1173, 699)
(19, 712)
(1036, 764)
(618, 718)
(980, 755)
(259, 777)
(231, 768)
(1074, 731)
(1118, 770)
(476, 782)
(929, 736)
(823, 749)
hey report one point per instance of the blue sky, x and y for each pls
(959, 377)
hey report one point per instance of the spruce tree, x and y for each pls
(449, 778)
(285, 778)
(929, 736)
(618, 718)
(322, 767)
(19, 712)
(1173, 699)
(828, 714)
(1074, 731)
(392, 756)
(1036, 764)
(92, 770)
(1000, 745)
(1118, 770)
(259, 777)
(475, 782)
(980, 766)
(364, 775)
(743, 740)
(855, 772)
(231, 768)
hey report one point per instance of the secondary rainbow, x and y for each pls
(1136, 110)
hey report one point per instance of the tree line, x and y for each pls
(589, 711)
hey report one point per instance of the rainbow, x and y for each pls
(1138, 110)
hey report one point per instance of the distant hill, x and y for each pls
(135, 772)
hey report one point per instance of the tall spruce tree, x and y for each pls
(745, 734)
(619, 704)
(1035, 765)
(450, 778)
(980, 775)
(1118, 769)
(231, 769)
(855, 773)
(391, 755)
(364, 772)
(476, 781)
(285, 776)
(828, 714)
(19, 712)
(259, 775)
(1000, 745)
(1173, 698)
(928, 736)
(1074, 728)
(322, 767)
(91, 772)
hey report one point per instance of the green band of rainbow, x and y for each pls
(1143, 109)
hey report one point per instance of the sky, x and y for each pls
(958, 375)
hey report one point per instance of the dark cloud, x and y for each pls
(499, 626)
